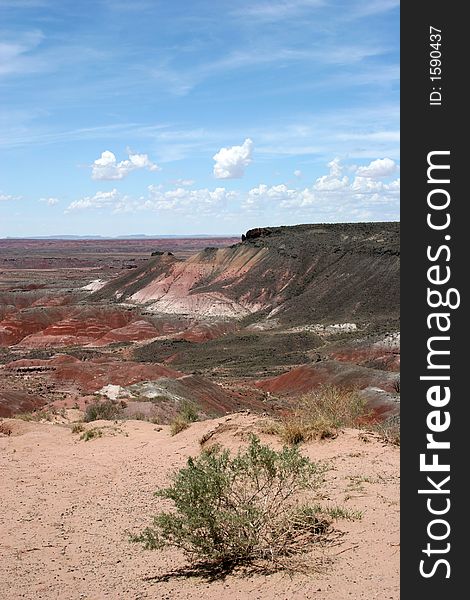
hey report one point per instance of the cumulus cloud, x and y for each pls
(334, 180)
(332, 197)
(279, 195)
(382, 167)
(298, 173)
(182, 200)
(106, 167)
(230, 162)
(98, 200)
(49, 201)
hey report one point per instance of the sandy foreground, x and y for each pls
(66, 506)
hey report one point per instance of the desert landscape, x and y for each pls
(122, 358)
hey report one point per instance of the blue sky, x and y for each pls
(157, 117)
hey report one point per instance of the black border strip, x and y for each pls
(430, 125)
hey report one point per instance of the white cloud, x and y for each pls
(8, 197)
(106, 167)
(281, 195)
(230, 163)
(332, 197)
(50, 201)
(382, 167)
(183, 182)
(298, 173)
(184, 200)
(98, 200)
(334, 180)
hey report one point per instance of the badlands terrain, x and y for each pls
(239, 328)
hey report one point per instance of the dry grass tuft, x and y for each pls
(320, 414)
(178, 424)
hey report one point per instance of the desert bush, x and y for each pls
(269, 427)
(78, 428)
(188, 414)
(320, 414)
(231, 510)
(38, 415)
(104, 409)
(91, 434)
(389, 430)
(178, 424)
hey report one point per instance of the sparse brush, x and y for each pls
(178, 424)
(78, 428)
(187, 415)
(269, 427)
(105, 409)
(91, 434)
(320, 414)
(189, 412)
(38, 415)
(232, 510)
(389, 431)
(336, 512)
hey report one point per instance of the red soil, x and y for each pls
(13, 402)
(378, 358)
(311, 376)
(132, 332)
(16, 326)
(90, 376)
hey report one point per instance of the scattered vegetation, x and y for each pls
(356, 482)
(178, 424)
(44, 414)
(396, 386)
(336, 512)
(320, 414)
(37, 415)
(78, 428)
(188, 414)
(102, 409)
(91, 434)
(269, 427)
(234, 510)
(389, 431)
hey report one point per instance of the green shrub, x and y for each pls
(231, 510)
(105, 409)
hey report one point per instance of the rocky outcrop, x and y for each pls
(255, 233)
